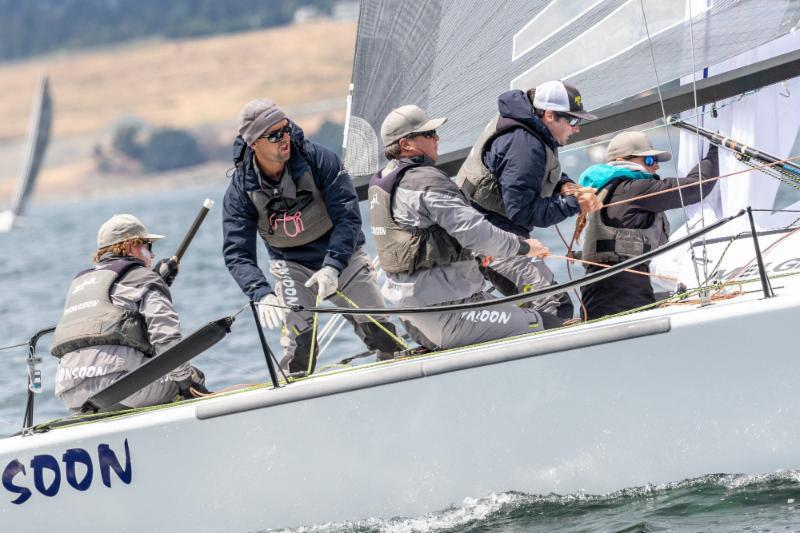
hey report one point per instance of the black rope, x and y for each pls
(539, 293)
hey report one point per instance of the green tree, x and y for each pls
(168, 149)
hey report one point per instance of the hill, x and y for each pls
(198, 84)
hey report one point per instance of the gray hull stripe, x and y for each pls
(460, 360)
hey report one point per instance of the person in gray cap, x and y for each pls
(426, 232)
(619, 232)
(117, 315)
(297, 196)
(513, 176)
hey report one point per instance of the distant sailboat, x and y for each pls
(38, 137)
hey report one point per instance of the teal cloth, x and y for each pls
(599, 175)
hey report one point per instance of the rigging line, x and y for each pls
(13, 346)
(695, 184)
(537, 293)
(568, 247)
(699, 141)
(669, 137)
(652, 128)
(602, 265)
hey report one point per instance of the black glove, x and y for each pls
(167, 269)
(193, 386)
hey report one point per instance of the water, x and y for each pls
(58, 239)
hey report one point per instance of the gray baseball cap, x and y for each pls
(634, 144)
(562, 97)
(121, 228)
(257, 117)
(406, 120)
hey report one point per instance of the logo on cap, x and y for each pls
(578, 100)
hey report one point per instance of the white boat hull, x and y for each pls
(667, 395)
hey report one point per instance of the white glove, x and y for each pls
(270, 316)
(327, 279)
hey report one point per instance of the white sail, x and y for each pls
(38, 137)
(768, 120)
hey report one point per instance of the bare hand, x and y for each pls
(569, 188)
(537, 249)
(588, 200)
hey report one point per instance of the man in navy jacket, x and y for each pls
(514, 177)
(299, 199)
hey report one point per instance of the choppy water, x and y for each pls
(57, 240)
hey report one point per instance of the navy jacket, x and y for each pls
(240, 218)
(518, 158)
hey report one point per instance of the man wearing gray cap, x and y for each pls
(513, 176)
(619, 232)
(117, 315)
(297, 196)
(425, 232)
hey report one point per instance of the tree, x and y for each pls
(168, 149)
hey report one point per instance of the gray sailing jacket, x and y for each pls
(142, 291)
(424, 198)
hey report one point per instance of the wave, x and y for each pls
(714, 502)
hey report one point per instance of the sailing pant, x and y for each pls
(620, 292)
(440, 331)
(358, 282)
(520, 274)
(161, 391)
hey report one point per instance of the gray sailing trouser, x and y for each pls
(462, 328)
(521, 274)
(161, 391)
(357, 282)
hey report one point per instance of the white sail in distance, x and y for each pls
(38, 137)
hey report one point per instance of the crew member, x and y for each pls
(513, 176)
(299, 198)
(425, 230)
(117, 315)
(619, 232)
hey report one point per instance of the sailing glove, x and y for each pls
(193, 386)
(167, 269)
(327, 280)
(269, 315)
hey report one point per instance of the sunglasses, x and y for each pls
(277, 135)
(148, 244)
(427, 134)
(649, 160)
(573, 121)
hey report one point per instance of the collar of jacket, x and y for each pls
(423, 160)
(598, 176)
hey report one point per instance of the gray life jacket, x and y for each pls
(604, 243)
(406, 249)
(481, 186)
(290, 214)
(91, 319)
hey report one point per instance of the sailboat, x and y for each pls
(700, 384)
(38, 137)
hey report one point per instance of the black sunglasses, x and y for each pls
(573, 121)
(427, 134)
(149, 244)
(277, 135)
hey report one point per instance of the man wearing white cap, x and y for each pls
(513, 176)
(425, 232)
(619, 232)
(297, 196)
(117, 315)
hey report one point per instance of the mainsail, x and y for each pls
(454, 58)
(38, 137)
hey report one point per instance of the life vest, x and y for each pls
(406, 249)
(604, 243)
(481, 186)
(90, 318)
(286, 220)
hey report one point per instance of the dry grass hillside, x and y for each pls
(193, 84)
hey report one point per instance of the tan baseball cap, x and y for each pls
(634, 144)
(121, 228)
(406, 120)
